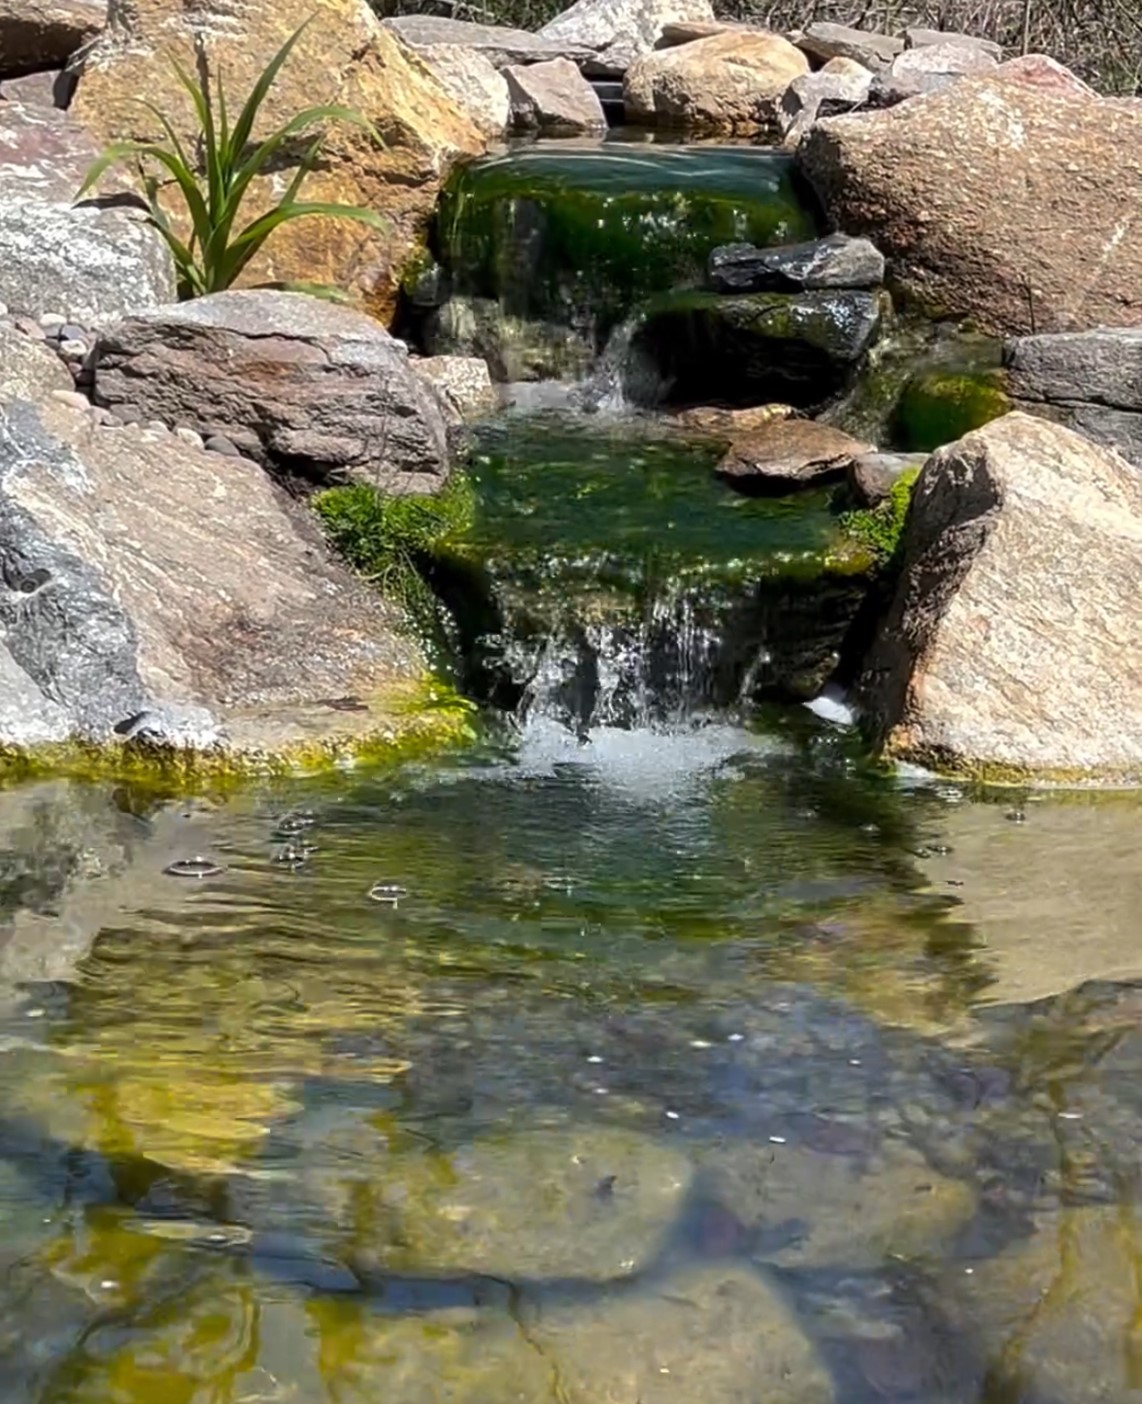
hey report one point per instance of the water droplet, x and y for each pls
(389, 893)
(594, 1058)
(296, 822)
(736, 1038)
(293, 855)
(34, 1013)
(672, 1116)
(1016, 816)
(700, 1043)
(1070, 1116)
(197, 867)
(778, 1140)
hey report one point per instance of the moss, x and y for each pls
(991, 774)
(394, 540)
(879, 530)
(942, 406)
(409, 720)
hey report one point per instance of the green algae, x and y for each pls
(879, 530)
(581, 235)
(938, 407)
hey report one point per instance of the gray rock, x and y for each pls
(464, 380)
(162, 594)
(99, 260)
(474, 84)
(835, 89)
(887, 90)
(497, 43)
(833, 262)
(1091, 381)
(72, 350)
(70, 331)
(1011, 647)
(795, 348)
(291, 380)
(554, 99)
(187, 435)
(823, 40)
(46, 33)
(50, 89)
(29, 370)
(872, 476)
(918, 38)
(789, 453)
(960, 59)
(72, 398)
(219, 443)
(616, 32)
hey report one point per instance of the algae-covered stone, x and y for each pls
(1057, 1314)
(593, 1202)
(704, 1336)
(940, 406)
(802, 348)
(852, 1210)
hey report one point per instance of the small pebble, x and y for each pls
(110, 419)
(71, 331)
(73, 350)
(188, 436)
(218, 443)
(155, 426)
(52, 321)
(29, 327)
(128, 414)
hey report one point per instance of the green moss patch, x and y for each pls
(940, 407)
(879, 530)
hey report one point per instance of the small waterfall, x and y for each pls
(624, 377)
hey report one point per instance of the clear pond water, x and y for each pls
(645, 1051)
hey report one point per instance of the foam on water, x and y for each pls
(646, 762)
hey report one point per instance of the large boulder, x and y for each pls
(289, 379)
(1001, 199)
(617, 32)
(730, 82)
(348, 58)
(91, 262)
(1091, 381)
(497, 43)
(158, 595)
(36, 34)
(1011, 647)
(474, 84)
(554, 99)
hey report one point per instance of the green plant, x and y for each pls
(214, 186)
(879, 530)
(394, 541)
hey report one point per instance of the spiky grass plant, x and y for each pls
(213, 183)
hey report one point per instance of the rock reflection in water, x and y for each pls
(675, 1091)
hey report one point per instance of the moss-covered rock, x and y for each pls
(940, 406)
(880, 529)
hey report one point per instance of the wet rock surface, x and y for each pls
(94, 261)
(797, 348)
(788, 453)
(1091, 381)
(836, 261)
(160, 595)
(291, 380)
(1007, 648)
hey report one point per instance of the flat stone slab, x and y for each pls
(836, 261)
(499, 44)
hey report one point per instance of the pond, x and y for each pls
(691, 1064)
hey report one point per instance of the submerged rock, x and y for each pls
(156, 594)
(800, 348)
(788, 454)
(981, 160)
(37, 34)
(835, 261)
(938, 406)
(729, 83)
(527, 1205)
(351, 59)
(1011, 647)
(705, 1335)
(620, 31)
(290, 380)
(89, 262)
(1091, 381)
(554, 99)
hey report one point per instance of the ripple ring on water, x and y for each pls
(390, 893)
(197, 867)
